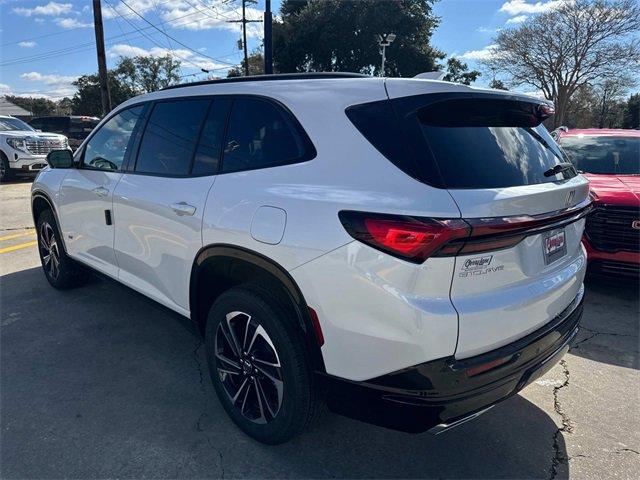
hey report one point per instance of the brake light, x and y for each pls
(409, 238)
(416, 238)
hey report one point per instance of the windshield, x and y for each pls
(614, 155)
(14, 124)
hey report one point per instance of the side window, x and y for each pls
(170, 137)
(107, 148)
(210, 146)
(259, 136)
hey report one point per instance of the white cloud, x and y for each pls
(488, 29)
(56, 86)
(140, 6)
(5, 89)
(482, 54)
(188, 58)
(518, 19)
(518, 7)
(192, 18)
(51, 8)
(191, 15)
(27, 44)
(48, 79)
(72, 23)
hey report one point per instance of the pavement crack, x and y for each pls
(594, 333)
(199, 423)
(559, 456)
(621, 450)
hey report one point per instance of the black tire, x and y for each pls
(5, 171)
(61, 271)
(286, 414)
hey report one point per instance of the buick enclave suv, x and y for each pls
(405, 250)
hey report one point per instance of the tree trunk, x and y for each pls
(561, 104)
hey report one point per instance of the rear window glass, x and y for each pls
(467, 142)
(260, 136)
(592, 154)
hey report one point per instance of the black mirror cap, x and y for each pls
(60, 158)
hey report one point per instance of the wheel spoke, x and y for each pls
(264, 398)
(277, 383)
(46, 258)
(228, 361)
(231, 316)
(235, 397)
(262, 418)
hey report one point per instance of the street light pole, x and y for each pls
(384, 41)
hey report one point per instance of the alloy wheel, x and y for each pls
(249, 367)
(49, 250)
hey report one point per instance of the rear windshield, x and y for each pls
(469, 141)
(615, 155)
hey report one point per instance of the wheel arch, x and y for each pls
(220, 267)
(40, 202)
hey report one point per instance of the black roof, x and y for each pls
(277, 76)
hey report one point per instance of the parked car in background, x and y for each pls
(76, 128)
(23, 149)
(610, 159)
(407, 250)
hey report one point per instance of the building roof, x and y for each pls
(8, 108)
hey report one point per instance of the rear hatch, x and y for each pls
(523, 263)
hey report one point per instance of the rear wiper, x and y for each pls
(561, 167)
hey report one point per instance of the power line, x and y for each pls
(66, 30)
(173, 38)
(89, 45)
(162, 46)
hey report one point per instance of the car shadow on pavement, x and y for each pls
(99, 382)
(609, 327)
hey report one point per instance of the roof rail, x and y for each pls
(277, 76)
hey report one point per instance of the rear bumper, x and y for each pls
(443, 393)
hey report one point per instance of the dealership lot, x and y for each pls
(100, 382)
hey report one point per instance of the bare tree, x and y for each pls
(582, 42)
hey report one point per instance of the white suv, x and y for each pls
(407, 251)
(23, 149)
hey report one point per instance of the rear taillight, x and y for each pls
(416, 238)
(409, 238)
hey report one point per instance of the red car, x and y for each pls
(610, 159)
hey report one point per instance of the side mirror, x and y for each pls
(60, 159)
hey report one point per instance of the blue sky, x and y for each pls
(46, 44)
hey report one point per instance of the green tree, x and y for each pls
(38, 106)
(87, 100)
(631, 115)
(340, 35)
(256, 66)
(130, 77)
(498, 84)
(458, 72)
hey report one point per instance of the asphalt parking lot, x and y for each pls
(99, 382)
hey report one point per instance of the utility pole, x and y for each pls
(102, 59)
(268, 43)
(244, 22)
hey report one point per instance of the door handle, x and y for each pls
(183, 209)
(101, 191)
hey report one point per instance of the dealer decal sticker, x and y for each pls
(472, 267)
